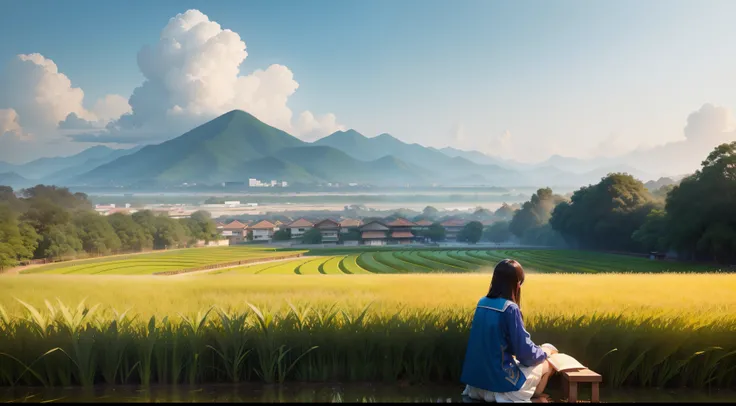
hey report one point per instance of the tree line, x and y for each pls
(54, 223)
(695, 219)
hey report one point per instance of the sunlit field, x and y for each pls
(161, 262)
(635, 329)
(360, 261)
(392, 261)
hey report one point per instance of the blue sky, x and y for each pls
(525, 79)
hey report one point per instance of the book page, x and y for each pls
(564, 362)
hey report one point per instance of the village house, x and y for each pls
(374, 233)
(263, 230)
(401, 231)
(453, 228)
(349, 224)
(329, 230)
(299, 227)
(235, 231)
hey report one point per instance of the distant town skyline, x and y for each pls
(649, 84)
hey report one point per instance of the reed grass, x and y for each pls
(637, 330)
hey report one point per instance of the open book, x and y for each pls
(562, 362)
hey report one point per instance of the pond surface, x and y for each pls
(334, 393)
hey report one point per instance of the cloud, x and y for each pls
(614, 145)
(10, 126)
(500, 145)
(312, 128)
(706, 128)
(111, 107)
(458, 134)
(710, 122)
(192, 74)
(42, 98)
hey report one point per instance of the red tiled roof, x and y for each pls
(235, 225)
(453, 223)
(350, 223)
(400, 222)
(327, 224)
(301, 223)
(373, 235)
(402, 234)
(424, 223)
(263, 225)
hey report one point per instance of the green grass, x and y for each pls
(332, 266)
(433, 261)
(350, 265)
(151, 263)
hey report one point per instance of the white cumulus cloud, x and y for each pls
(42, 97)
(192, 74)
(312, 128)
(10, 126)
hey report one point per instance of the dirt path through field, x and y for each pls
(236, 266)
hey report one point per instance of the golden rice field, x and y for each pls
(647, 330)
(162, 262)
(360, 261)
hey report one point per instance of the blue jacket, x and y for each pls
(496, 335)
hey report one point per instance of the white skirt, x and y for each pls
(524, 395)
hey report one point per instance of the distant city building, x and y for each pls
(232, 203)
(252, 182)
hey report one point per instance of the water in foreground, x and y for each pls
(335, 393)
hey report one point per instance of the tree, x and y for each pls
(436, 232)
(61, 196)
(10, 238)
(201, 226)
(430, 212)
(652, 234)
(95, 233)
(504, 213)
(8, 196)
(604, 215)
(168, 233)
(497, 232)
(536, 212)
(482, 214)
(146, 220)
(471, 232)
(312, 236)
(30, 241)
(282, 235)
(131, 234)
(60, 241)
(701, 210)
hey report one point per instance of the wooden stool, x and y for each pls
(571, 378)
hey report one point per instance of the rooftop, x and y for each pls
(301, 223)
(263, 225)
(401, 222)
(234, 225)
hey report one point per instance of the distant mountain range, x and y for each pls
(59, 170)
(237, 146)
(14, 180)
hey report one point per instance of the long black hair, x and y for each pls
(508, 275)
